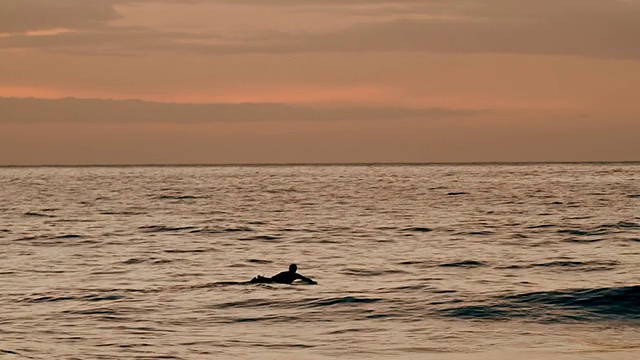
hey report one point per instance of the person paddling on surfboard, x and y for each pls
(285, 277)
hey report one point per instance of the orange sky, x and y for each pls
(349, 81)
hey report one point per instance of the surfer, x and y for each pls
(285, 277)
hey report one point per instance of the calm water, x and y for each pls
(426, 262)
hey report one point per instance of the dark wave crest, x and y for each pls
(578, 305)
(177, 197)
(162, 228)
(344, 300)
(466, 263)
(39, 298)
(417, 229)
(568, 264)
(36, 214)
(261, 237)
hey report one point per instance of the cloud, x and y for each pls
(106, 41)
(591, 36)
(72, 110)
(20, 16)
(28, 15)
(590, 28)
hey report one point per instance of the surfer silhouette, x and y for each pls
(285, 277)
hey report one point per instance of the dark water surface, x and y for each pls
(532, 261)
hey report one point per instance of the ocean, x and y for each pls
(474, 261)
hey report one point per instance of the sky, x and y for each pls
(333, 81)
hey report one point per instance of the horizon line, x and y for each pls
(626, 162)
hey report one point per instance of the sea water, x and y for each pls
(484, 261)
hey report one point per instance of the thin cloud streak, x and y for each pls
(599, 29)
(72, 110)
(17, 16)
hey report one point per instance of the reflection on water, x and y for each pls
(438, 261)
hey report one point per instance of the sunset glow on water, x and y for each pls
(413, 261)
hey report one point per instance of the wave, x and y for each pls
(412, 262)
(465, 263)
(542, 226)
(418, 229)
(151, 260)
(364, 272)
(269, 318)
(125, 212)
(622, 225)
(582, 232)
(208, 230)
(430, 263)
(36, 214)
(38, 298)
(261, 237)
(481, 232)
(343, 300)
(604, 229)
(162, 228)
(568, 264)
(577, 305)
(68, 236)
(177, 197)
(186, 251)
(94, 311)
(583, 241)
(290, 304)
(260, 261)
(53, 240)
(599, 230)
(49, 237)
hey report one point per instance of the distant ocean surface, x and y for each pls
(487, 261)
